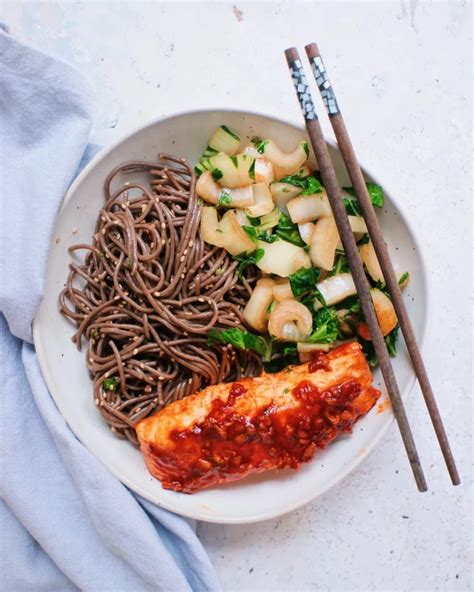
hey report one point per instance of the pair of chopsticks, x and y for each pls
(334, 193)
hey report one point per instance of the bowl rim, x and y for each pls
(42, 358)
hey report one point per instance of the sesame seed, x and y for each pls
(113, 429)
(107, 374)
(185, 252)
(161, 378)
(182, 258)
(142, 365)
(96, 401)
(156, 293)
(163, 226)
(135, 351)
(191, 243)
(74, 230)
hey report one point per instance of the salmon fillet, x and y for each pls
(228, 431)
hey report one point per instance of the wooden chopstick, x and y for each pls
(375, 233)
(333, 190)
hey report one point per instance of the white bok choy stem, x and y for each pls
(256, 310)
(282, 193)
(385, 312)
(336, 288)
(264, 171)
(306, 208)
(211, 192)
(227, 233)
(324, 241)
(263, 202)
(306, 231)
(282, 258)
(210, 230)
(290, 321)
(285, 163)
(282, 291)
(372, 265)
(236, 170)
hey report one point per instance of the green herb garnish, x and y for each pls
(234, 160)
(261, 146)
(109, 384)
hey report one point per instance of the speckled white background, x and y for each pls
(402, 71)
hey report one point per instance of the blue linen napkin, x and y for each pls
(65, 522)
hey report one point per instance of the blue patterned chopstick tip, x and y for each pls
(324, 85)
(302, 90)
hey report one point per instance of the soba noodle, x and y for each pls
(148, 292)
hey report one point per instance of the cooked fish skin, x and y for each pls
(228, 431)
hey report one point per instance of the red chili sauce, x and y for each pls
(227, 444)
(320, 361)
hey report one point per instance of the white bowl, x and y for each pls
(255, 498)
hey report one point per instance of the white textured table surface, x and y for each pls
(402, 73)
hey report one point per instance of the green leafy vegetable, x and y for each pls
(305, 147)
(340, 266)
(234, 160)
(261, 146)
(352, 206)
(267, 237)
(309, 185)
(375, 194)
(403, 278)
(303, 282)
(247, 259)
(312, 186)
(254, 221)
(352, 304)
(252, 170)
(217, 174)
(242, 340)
(391, 342)
(288, 231)
(283, 355)
(369, 352)
(325, 326)
(230, 132)
(364, 240)
(251, 232)
(109, 384)
(225, 199)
